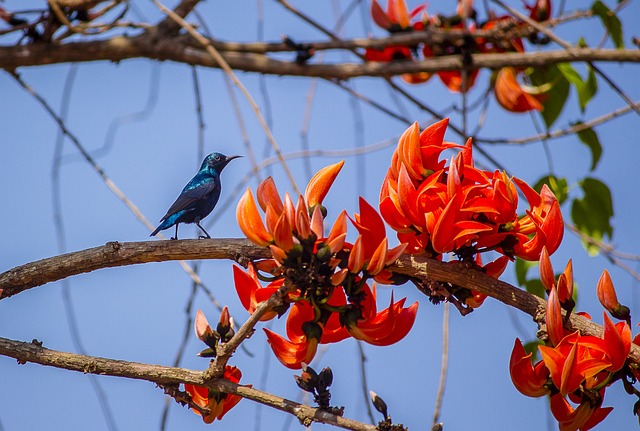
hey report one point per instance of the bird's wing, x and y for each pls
(190, 196)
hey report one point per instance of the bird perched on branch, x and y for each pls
(199, 196)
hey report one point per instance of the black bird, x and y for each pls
(199, 196)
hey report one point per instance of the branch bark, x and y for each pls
(114, 254)
(242, 251)
(162, 375)
(156, 46)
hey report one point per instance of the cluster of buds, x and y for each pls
(508, 92)
(209, 403)
(222, 334)
(326, 277)
(459, 208)
(574, 368)
(318, 384)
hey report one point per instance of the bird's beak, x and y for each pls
(229, 158)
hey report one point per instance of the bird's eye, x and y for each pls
(217, 158)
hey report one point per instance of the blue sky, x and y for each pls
(137, 313)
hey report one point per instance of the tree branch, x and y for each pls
(162, 375)
(154, 46)
(114, 254)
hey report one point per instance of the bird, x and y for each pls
(199, 196)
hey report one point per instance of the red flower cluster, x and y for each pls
(459, 208)
(573, 366)
(325, 276)
(510, 94)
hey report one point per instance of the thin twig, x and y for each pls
(563, 132)
(365, 384)
(608, 251)
(219, 59)
(444, 364)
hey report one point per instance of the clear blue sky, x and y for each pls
(136, 313)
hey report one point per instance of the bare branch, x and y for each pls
(121, 48)
(162, 375)
(115, 254)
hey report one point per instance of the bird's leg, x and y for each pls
(205, 232)
(176, 237)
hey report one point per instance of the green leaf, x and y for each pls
(592, 213)
(586, 89)
(610, 22)
(590, 138)
(558, 186)
(532, 347)
(590, 86)
(522, 268)
(557, 94)
(535, 287)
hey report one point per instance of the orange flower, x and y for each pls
(250, 222)
(302, 312)
(543, 222)
(555, 329)
(617, 342)
(563, 287)
(584, 417)
(320, 184)
(396, 17)
(251, 293)
(218, 403)
(575, 359)
(540, 11)
(459, 208)
(528, 379)
(512, 96)
(293, 354)
(370, 248)
(384, 328)
(268, 196)
(454, 80)
(609, 299)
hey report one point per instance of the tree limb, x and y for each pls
(155, 46)
(162, 375)
(114, 254)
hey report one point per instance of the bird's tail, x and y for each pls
(155, 232)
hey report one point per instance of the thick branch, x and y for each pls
(114, 254)
(55, 268)
(162, 375)
(460, 274)
(156, 47)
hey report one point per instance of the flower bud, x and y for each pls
(608, 298)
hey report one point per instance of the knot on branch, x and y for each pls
(112, 247)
